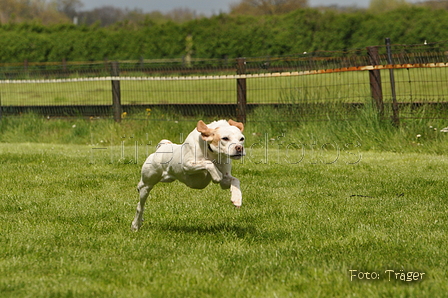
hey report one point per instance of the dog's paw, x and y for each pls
(236, 195)
(214, 172)
(216, 177)
(237, 199)
(236, 204)
(135, 226)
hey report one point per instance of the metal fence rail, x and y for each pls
(307, 86)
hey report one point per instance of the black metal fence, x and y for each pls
(399, 81)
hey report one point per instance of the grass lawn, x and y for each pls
(65, 219)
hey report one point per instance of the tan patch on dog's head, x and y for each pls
(208, 134)
(202, 127)
(237, 124)
(216, 137)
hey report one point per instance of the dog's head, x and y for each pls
(223, 137)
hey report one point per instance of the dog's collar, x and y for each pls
(210, 148)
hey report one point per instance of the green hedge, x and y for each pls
(305, 30)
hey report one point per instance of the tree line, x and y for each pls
(222, 36)
(67, 11)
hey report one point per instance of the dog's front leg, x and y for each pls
(204, 165)
(214, 172)
(236, 195)
(228, 181)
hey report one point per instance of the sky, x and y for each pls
(207, 7)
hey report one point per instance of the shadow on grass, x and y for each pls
(231, 230)
(238, 230)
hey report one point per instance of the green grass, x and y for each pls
(414, 85)
(320, 199)
(65, 226)
(264, 126)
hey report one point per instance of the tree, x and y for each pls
(105, 15)
(378, 6)
(266, 7)
(181, 15)
(29, 10)
(435, 4)
(69, 7)
(10, 10)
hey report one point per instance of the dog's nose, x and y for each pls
(239, 148)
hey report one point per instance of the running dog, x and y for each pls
(205, 156)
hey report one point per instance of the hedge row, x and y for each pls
(305, 30)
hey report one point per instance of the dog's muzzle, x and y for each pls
(239, 149)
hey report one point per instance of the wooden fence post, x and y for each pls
(116, 93)
(375, 80)
(241, 91)
(64, 64)
(395, 116)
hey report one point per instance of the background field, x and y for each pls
(363, 197)
(412, 85)
(316, 89)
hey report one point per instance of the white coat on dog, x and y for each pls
(205, 156)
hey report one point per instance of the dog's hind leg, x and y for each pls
(143, 190)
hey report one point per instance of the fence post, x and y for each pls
(241, 91)
(375, 80)
(64, 64)
(116, 93)
(395, 117)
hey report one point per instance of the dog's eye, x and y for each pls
(242, 139)
(225, 139)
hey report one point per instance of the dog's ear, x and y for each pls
(237, 124)
(206, 133)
